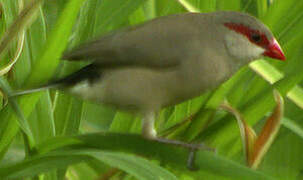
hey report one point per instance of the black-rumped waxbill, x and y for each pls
(167, 60)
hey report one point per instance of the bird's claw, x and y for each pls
(192, 150)
(192, 154)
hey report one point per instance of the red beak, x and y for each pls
(274, 51)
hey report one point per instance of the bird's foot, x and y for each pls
(192, 147)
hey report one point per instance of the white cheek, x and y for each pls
(241, 48)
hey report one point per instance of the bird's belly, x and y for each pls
(132, 88)
(140, 88)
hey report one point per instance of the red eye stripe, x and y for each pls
(249, 33)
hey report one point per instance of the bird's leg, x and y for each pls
(149, 132)
(148, 126)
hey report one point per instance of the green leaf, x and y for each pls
(168, 154)
(234, 5)
(67, 113)
(138, 167)
(294, 127)
(115, 13)
(57, 43)
(53, 31)
(41, 120)
(48, 61)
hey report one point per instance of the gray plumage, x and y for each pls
(162, 62)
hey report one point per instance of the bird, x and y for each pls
(165, 61)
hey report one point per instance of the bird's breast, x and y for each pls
(202, 75)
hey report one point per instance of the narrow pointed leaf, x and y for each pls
(19, 24)
(171, 155)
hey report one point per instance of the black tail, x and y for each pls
(91, 73)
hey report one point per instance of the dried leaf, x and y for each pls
(18, 29)
(248, 135)
(255, 147)
(268, 132)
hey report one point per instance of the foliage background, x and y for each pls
(43, 136)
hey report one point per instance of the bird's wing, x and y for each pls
(159, 43)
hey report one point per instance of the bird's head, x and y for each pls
(247, 38)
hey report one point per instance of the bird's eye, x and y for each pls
(256, 37)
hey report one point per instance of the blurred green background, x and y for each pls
(44, 135)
